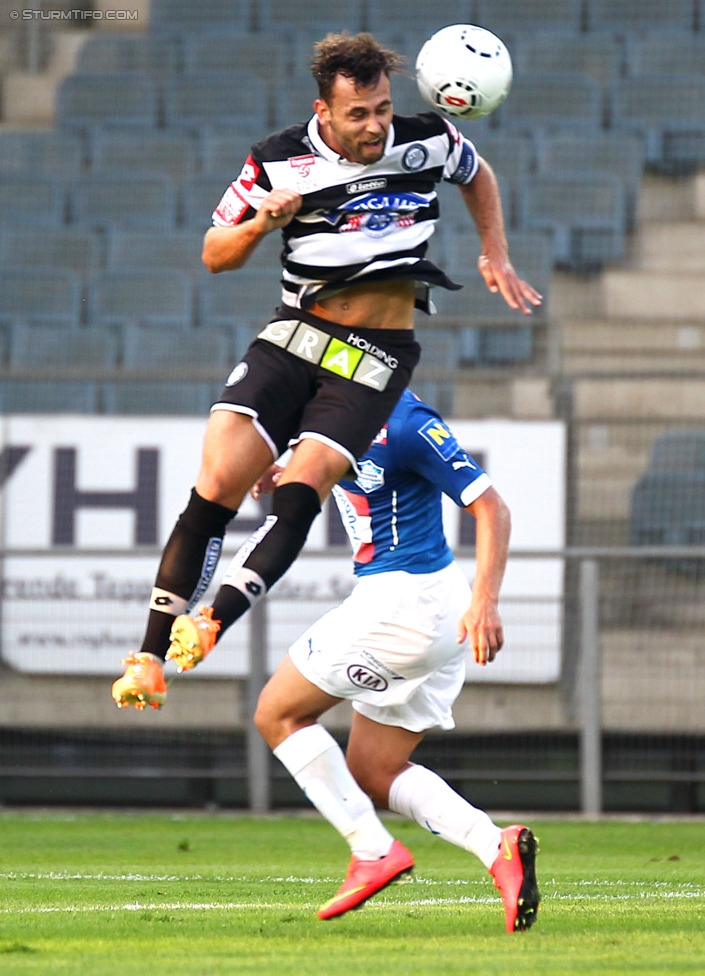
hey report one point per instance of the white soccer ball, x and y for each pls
(464, 71)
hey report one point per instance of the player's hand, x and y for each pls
(267, 483)
(501, 277)
(482, 627)
(278, 209)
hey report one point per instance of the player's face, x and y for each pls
(354, 122)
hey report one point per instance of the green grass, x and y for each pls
(116, 894)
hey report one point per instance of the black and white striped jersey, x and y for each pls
(357, 222)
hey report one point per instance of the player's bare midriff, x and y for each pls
(375, 305)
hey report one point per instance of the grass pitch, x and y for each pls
(97, 894)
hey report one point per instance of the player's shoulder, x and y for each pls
(411, 414)
(282, 144)
(423, 125)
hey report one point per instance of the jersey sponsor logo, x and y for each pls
(302, 164)
(249, 173)
(387, 202)
(366, 679)
(232, 206)
(362, 343)
(415, 157)
(341, 358)
(239, 373)
(440, 438)
(365, 186)
(376, 225)
(371, 476)
(466, 165)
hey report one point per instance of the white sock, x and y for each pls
(318, 765)
(423, 796)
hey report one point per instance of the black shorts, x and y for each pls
(304, 376)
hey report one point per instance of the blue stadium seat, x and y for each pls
(183, 16)
(325, 15)
(123, 99)
(620, 154)
(633, 16)
(268, 55)
(202, 354)
(40, 296)
(670, 117)
(48, 152)
(146, 52)
(48, 396)
(679, 449)
(164, 151)
(587, 216)
(159, 298)
(245, 297)
(30, 200)
(114, 199)
(200, 196)
(550, 102)
(512, 155)
(519, 17)
(157, 397)
(217, 99)
(440, 347)
(69, 248)
(599, 54)
(69, 352)
(504, 346)
(224, 152)
(668, 509)
(136, 250)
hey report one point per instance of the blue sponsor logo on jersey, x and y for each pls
(440, 438)
(389, 202)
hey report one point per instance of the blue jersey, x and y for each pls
(392, 512)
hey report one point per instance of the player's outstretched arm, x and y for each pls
(482, 198)
(228, 248)
(481, 625)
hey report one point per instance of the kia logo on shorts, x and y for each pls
(366, 679)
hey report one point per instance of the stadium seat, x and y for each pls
(48, 152)
(183, 16)
(158, 397)
(245, 297)
(168, 152)
(668, 509)
(512, 155)
(268, 55)
(224, 152)
(134, 250)
(217, 99)
(294, 103)
(517, 17)
(103, 200)
(551, 102)
(121, 99)
(200, 196)
(620, 154)
(48, 396)
(159, 298)
(147, 52)
(504, 346)
(64, 351)
(440, 347)
(599, 55)
(587, 216)
(69, 248)
(670, 117)
(199, 354)
(41, 296)
(665, 53)
(31, 200)
(324, 15)
(633, 16)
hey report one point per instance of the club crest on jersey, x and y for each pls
(440, 438)
(371, 476)
(415, 157)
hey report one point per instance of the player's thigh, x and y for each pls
(288, 702)
(234, 457)
(377, 754)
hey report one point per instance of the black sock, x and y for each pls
(268, 553)
(187, 565)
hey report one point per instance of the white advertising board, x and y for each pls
(74, 487)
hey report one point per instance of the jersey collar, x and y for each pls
(323, 149)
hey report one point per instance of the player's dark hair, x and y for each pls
(356, 56)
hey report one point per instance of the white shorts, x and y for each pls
(391, 649)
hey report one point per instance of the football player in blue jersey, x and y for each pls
(396, 648)
(352, 191)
